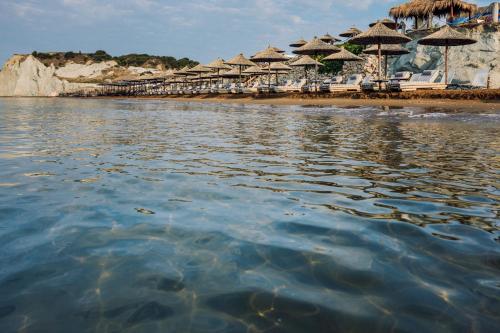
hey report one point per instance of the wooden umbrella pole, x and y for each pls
(379, 66)
(240, 75)
(385, 59)
(269, 77)
(316, 77)
(446, 64)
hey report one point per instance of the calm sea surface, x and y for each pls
(158, 216)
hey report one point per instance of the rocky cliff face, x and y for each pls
(25, 75)
(466, 63)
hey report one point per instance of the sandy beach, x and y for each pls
(448, 101)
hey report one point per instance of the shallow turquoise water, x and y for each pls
(156, 216)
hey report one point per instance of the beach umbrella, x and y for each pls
(269, 56)
(218, 65)
(351, 32)
(446, 37)
(184, 73)
(329, 39)
(275, 49)
(315, 48)
(298, 43)
(380, 34)
(387, 22)
(233, 73)
(387, 50)
(278, 67)
(306, 62)
(343, 56)
(241, 62)
(199, 69)
(255, 70)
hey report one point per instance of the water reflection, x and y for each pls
(153, 216)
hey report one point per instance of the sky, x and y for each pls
(199, 29)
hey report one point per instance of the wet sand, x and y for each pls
(448, 101)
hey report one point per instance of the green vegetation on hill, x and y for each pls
(139, 60)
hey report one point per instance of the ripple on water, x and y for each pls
(165, 216)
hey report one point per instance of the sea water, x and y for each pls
(164, 216)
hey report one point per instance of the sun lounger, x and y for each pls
(226, 89)
(252, 89)
(296, 86)
(325, 86)
(424, 81)
(353, 84)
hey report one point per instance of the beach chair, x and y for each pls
(325, 86)
(284, 88)
(424, 81)
(226, 89)
(353, 83)
(297, 86)
(251, 88)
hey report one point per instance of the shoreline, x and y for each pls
(423, 99)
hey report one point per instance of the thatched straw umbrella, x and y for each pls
(199, 69)
(184, 73)
(452, 8)
(241, 62)
(306, 62)
(329, 39)
(275, 49)
(379, 34)
(254, 70)
(351, 32)
(315, 48)
(387, 50)
(343, 55)
(426, 9)
(278, 67)
(388, 23)
(269, 56)
(446, 37)
(218, 64)
(233, 73)
(298, 43)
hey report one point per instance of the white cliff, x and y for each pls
(27, 76)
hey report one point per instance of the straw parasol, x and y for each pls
(387, 22)
(452, 8)
(275, 49)
(218, 64)
(269, 56)
(380, 34)
(306, 61)
(315, 48)
(199, 69)
(241, 62)
(329, 39)
(343, 55)
(254, 70)
(233, 73)
(387, 50)
(298, 43)
(446, 37)
(351, 32)
(278, 67)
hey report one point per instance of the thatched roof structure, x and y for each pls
(343, 55)
(380, 34)
(446, 36)
(387, 49)
(254, 70)
(240, 60)
(351, 32)
(233, 73)
(219, 63)
(199, 69)
(298, 43)
(306, 61)
(278, 66)
(316, 47)
(387, 22)
(269, 55)
(427, 8)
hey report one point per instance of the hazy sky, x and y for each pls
(199, 29)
